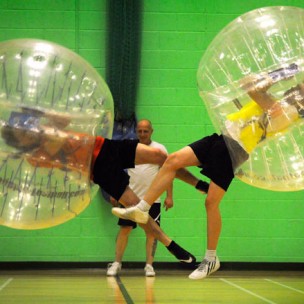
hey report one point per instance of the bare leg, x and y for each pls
(279, 116)
(184, 175)
(211, 262)
(256, 87)
(214, 220)
(173, 167)
(147, 155)
(151, 244)
(170, 169)
(128, 199)
(213, 199)
(122, 242)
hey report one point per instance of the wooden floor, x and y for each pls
(93, 287)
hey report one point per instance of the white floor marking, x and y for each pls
(5, 284)
(286, 286)
(247, 291)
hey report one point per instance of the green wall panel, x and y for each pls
(258, 225)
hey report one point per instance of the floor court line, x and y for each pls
(124, 291)
(247, 291)
(286, 286)
(5, 283)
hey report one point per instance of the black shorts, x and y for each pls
(215, 160)
(154, 212)
(109, 169)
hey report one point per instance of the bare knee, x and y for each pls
(214, 197)
(172, 162)
(160, 156)
(211, 205)
(152, 230)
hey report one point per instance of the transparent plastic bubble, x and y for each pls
(251, 81)
(53, 104)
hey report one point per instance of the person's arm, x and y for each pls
(168, 202)
(186, 176)
(57, 120)
(257, 87)
(54, 119)
(278, 116)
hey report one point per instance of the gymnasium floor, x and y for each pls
(90, 286)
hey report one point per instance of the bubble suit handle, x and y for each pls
(251, 81)
(53, 105)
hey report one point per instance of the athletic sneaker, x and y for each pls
(205, 268)
(149, 270)
(132, 213)
(113, 269)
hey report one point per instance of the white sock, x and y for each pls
(143, 206)
(210, 255)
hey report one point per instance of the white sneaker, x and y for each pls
(204, 269)
(113, 269)
(132, 213)
(149, 271)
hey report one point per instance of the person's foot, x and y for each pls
(132, 213)
(113, 269)
(181, 254)
(205, 268)
(149, 271)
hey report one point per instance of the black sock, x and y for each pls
(171, 246)
(202, 186)
(181, 254)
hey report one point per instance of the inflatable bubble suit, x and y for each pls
(251, 80)
(53, 103)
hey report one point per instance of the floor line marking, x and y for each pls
(5, 283)
(247, 291)
(124, 291)
(286, 286)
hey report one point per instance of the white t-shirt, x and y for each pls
(142, 176)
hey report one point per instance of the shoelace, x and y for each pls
(210, 266)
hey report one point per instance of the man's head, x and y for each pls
(22, 139)
(144, 131)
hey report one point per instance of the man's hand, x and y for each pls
(168, 203)
(256, 83)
